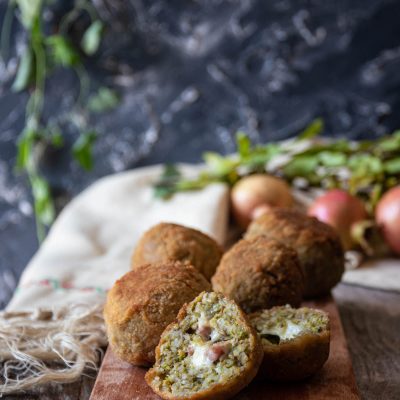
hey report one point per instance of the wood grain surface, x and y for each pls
(79, 390)
(118, 380)
(371, 321)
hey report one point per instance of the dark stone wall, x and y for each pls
(190, 74)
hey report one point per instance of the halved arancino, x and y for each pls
(209, 352)
(295, 341)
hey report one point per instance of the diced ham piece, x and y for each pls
(204, 331)
(218, 350)
(190, 350)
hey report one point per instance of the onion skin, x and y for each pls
(254, 194)
(387, 216)
(369, 237)
(340, 210)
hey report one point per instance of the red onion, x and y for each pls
(340, 210)
(387, 216)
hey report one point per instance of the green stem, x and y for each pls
(72, 15)
(33, 132)
(40, 228)
(34, 113)
(40, 57)
(84, 83)
(68, 19)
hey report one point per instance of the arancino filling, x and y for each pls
(209, 346)
(285, 323)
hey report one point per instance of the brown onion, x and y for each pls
(387, 216)
(340, 210)
(254, 194)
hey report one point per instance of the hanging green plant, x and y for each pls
(43, 54)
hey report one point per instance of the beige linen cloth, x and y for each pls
(56, 312)
(91, 242)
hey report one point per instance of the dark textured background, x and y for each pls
(191, 73)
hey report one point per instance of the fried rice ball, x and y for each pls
(209, 352)
(295, 341)
(317, 244)
(167, 241)
(143, 302)
(260, 273)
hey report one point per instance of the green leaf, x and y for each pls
(301, 166)
(194, 184)
(24, 147)
(57, 140)
(30, 10)
(82, 150)
(365, 164)
(313, 129)
(219, 165)
(25, 71)
(261, 155)
(392, 166)
(105, 99)
(171, 182)
(390, 143)
(44, 207)
(63, 52)
(243, 144)
(332, 158)
(55, 136)
(340, 146)
(92, 37)
(165, 187)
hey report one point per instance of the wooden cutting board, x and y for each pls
(118, 380)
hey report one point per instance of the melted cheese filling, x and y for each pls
(199, 358)
(215, 336)
(287, 332)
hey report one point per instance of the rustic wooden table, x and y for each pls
(371, 320)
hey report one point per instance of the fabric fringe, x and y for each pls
(45, 346)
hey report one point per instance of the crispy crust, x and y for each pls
(167, 241)
(142, 303)
(260, 273)
(217, 391)
(295, 359)
(317, 244)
